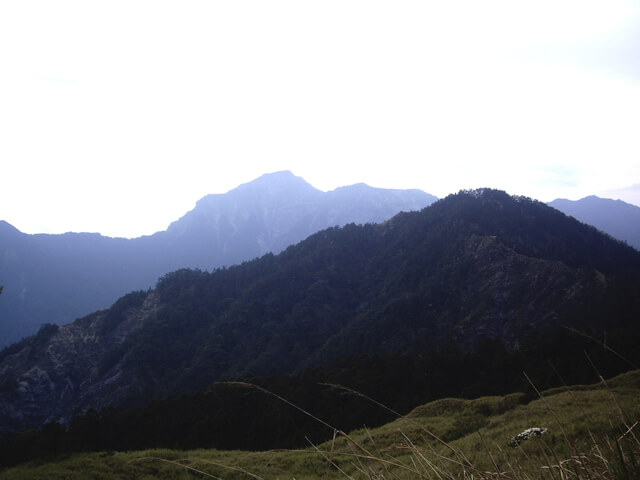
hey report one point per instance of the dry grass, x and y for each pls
(593, 434)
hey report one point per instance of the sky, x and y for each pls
(117, 116)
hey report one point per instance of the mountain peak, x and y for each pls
(74, 274)
(276, 184)
(267, 186)
(6, 228)
(282, 177)
(463, 269)
(281, 174)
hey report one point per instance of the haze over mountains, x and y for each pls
(619, 219)
(476, 265)
(57, 278)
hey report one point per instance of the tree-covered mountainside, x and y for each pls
(477, 265)
(619, 219)
(58, 278)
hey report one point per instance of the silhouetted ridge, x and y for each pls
(617, 218)
(8, 229)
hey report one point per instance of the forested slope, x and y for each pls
(476, 266)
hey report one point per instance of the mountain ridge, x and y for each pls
(474, 265)
(615, 217)
(56, 278)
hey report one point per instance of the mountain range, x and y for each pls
(619, 219)
(57, 278)
(478, 265)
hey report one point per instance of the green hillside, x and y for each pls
(592, 433)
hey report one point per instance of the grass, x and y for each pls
(593, 434)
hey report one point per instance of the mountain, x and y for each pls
(271, 213)
(619, 219)
(57, 278)
(476, 265)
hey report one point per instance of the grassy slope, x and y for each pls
(473, 436)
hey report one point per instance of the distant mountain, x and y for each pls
(619, 219)
(57, 278)
(476, 265)
(271, 213)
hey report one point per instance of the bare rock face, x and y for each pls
(62, 371)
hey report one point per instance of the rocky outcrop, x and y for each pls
(59, 372)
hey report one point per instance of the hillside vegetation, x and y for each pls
(454, 301)
(591, 433)
(475, 268)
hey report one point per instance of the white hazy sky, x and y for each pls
(117, 116)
